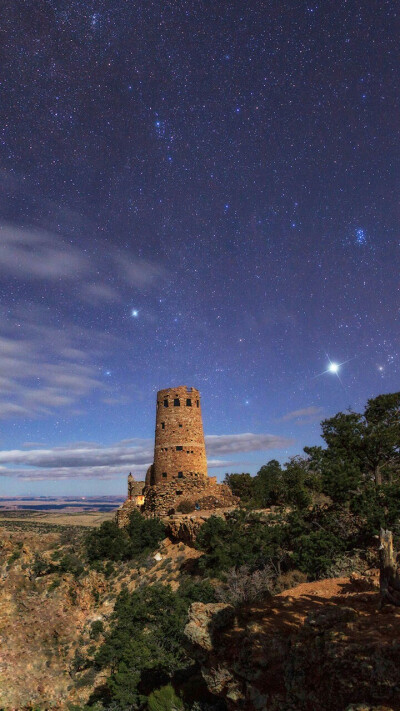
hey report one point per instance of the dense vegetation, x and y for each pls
(328, 508)
(144, 648)
(109, 542)
(361, 458)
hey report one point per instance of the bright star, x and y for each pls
(333, 367)
(134, 313)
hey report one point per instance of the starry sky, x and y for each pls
(192, 193)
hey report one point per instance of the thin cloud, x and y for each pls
(306, 414)
(35, 254)
(99, 293)
(43, 368)
(90, 460)
(138, 273)
(246, 442)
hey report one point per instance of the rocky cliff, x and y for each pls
(323, 645)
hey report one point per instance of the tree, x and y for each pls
(245, 539)
(144, 645)
(109, 542)
(241, 485)
(360, 448)
(298, 483)
(164, 699)
(269, 486)
(382, 437)
(145, 533)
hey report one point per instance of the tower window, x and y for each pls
(180, 475)
(197, 403)
(180, 425)
(166, 402)
(163, 425)
(177, 402)
(188, 402)
(164, 474)
(179, 448)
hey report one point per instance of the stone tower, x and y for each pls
(177, 481)
(179, 450)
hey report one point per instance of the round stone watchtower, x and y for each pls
(179, 450)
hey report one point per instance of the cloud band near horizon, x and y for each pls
(90, 460)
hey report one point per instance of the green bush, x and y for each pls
(164, 699)
(96, 629)
(41, 566)
(109, 542)
(314, 552)
(246, 539)
(71, 563)
(241, 485)
(145, 641)
(144, 647)
(54, 585)
(13, 557)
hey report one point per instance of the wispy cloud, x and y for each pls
(138, 273)
(246, 442)
(90, 460)
(306, 414)
(35, 254)
(31, 254)
(44, 368)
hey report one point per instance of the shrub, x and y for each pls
(54, 585)
(196, 591)
(243, 586)
(40, 566)
(96, 629)
(145, 533)
(289, 580)
(314, 552)
(164, 699)
(246, 539)
(185, 506)
(109, 542)
(241, 485)
(144, 647)
(13, 557)
(71, 563)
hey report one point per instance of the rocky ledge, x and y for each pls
(322, 645)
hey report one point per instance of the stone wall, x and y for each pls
(164, 499)
(135, 489)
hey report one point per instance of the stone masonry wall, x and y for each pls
(179, 439)
(164, 499)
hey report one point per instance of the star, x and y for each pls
(333, 367)
(361, 236)
(134, 313)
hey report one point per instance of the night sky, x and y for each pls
(194, 193)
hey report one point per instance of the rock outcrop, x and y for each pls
(322, 645)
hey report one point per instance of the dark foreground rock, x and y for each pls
(321, 646)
